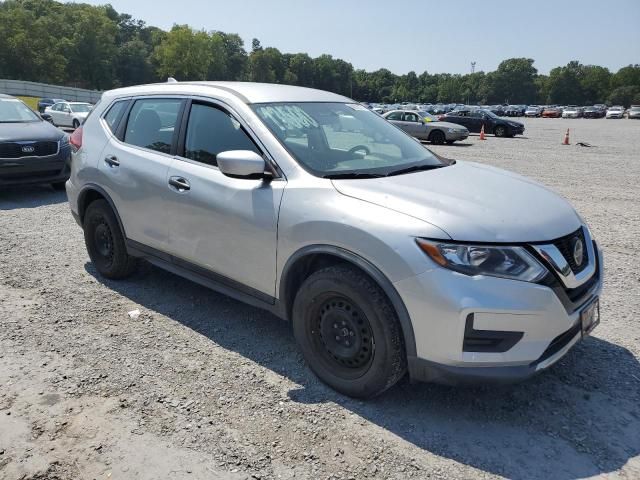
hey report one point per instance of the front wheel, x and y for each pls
(75, 124)
(437, 137)
(349, 332)
(500, 131)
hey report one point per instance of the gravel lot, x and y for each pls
(201, 386)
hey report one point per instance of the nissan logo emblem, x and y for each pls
(578, 251)
(28, 149)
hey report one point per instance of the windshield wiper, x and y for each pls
(348, 175)
(414, 168)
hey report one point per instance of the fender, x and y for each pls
(371, 270)
(92, 186)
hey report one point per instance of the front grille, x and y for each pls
(40, 149)
(565, 245)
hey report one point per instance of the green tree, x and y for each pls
(185, 54)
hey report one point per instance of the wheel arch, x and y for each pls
(91, 193)
(314, 257)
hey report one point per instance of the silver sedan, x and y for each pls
(424, 126)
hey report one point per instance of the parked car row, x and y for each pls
(545, 111)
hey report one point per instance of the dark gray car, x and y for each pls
(31, 150)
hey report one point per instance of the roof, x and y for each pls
(248, 92)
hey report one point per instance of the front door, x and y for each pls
(227, 226)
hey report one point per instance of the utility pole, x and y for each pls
(473, 69)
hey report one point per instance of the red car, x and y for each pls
(552, 112)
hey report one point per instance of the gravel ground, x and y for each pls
(201, 386)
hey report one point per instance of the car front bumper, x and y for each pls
(540, 320)
(456, 136)
(35, 170)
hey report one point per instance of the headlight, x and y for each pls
(496, 261)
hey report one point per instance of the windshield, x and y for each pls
(80, 107)
(13, 110)
(339, 140)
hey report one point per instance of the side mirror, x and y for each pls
(241, 164)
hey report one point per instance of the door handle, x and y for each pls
(180, 184)
(112, 161)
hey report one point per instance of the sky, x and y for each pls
(433, 35)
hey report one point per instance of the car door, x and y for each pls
(458, 117)
(135, 167)
(476, 120)
(55, 113)
(64, 114)
(397, 118)
(226, 226)
(410, 123)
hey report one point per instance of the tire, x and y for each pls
(349, 332)
(500, 131)
(105, 242)
(75, 123)
(58, 185)
(437, 137)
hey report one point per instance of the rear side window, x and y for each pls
(112, 118)
(211, 131)
(152, 122)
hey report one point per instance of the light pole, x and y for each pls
(473, 69)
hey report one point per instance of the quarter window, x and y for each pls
(113, 115)
(152, 123)
(210, 131)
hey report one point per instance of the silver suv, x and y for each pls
(384, 256)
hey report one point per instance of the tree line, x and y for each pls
(96, 47)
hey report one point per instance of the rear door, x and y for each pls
(135, 166)
(227, 226)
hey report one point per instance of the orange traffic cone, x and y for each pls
(566, 138)
(482, 133)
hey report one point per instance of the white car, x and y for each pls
(68, 114)
(572, 112)
(615, 112)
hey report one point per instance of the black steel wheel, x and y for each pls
(105, 242)
(348, 332)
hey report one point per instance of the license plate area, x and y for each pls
(590, 317)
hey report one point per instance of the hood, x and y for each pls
(447, 125)
(472, 202)
(30, 131)
(514, 124)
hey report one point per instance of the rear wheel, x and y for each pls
(500, 131)
(105, 242)
(348, 332)
(437, 137)
(75, 124)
